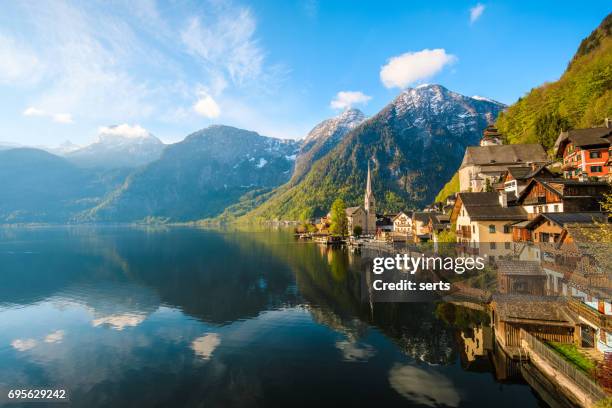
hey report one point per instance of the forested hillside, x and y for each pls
(582, 97)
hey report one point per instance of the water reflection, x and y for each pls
(187, 317)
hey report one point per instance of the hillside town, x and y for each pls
(543, 224)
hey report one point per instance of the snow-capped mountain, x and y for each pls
(119, 146)
(63, 149)
(202, 175)
(458, 113)
(324, 137)
(414, 145)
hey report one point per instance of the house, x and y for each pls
(480, 217)
(516, 178)
(484, 165)
(402, 222)
(491, 137)
(365, 216)
(549, 227)
(420, 226)
(545, 318)
(384, 222)
(585, 152)
(521, 277)
(438, 222)
(356, 216)
(562, 195)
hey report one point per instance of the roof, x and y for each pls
(521, 224)
(406, 213)
(527, 308)
(422, 216)
(352, 210)
(583, 138)
(564, 219)
(522, 268)
(549, 184)
(504, 154)
(485, 206)
(526, 172)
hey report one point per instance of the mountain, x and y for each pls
(414, 145)
(8, 145)
(38, 186)
(324, 137)
(200, 176)
(63, 149)
(582, 97)
(118, 146)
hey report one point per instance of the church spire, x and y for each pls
(369, 203)
(369, 182)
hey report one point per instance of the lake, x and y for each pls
(125, 317)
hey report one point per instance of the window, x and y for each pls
(506, 229)
(507, 245)
(492, 229)
(473, 229)
(493, 245)
(556, 207)
(596, 169)
(595, 155)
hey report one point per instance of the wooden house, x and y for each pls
(585, 152)
(561, 195)
(521, 277)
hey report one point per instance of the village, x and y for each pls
(543, 223)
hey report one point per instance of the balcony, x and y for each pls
(599, 319)
(541, 200)
(569, 166)
(464, 232)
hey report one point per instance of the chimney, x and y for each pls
(608, 123)
(503, 199)
(533, 166)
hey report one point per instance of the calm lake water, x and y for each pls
(125, 317)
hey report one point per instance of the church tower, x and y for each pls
(370, 205)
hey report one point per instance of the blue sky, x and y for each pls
(68, 69)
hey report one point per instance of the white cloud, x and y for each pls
(64, 118)
(476, 12)
(17, 63)
(204, 346)
(23, 344)
(207, 106)
(346, 99)
(124, 130)
(32, 111)
(423, 387)
(226, 44)
(354, 351)
(55, 337)
(119, 321)
(411, 67)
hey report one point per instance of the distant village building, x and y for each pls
(585, 152)
(550, 227)
(485, 165)
(562, 195)
(364, 216)
(484, 224)
(516, 178)
(402, 222)
(491, 137)
(521, 277)
(420, 227)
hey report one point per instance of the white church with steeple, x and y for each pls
(364, 216)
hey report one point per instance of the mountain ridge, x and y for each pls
(420, 123)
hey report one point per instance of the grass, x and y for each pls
(571, 353)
